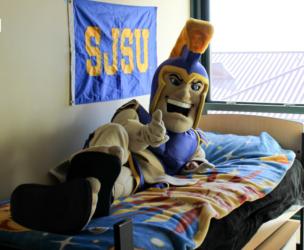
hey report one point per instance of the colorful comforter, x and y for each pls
(247, 169)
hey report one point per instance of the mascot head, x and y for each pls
(180, 83)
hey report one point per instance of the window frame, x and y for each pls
(200, 9)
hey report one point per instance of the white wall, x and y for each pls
(38, 128)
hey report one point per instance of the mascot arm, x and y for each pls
(140, 135)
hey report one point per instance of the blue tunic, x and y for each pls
(176, 152)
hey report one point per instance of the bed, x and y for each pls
(239, 197)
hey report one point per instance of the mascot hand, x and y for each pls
(155, 131)
(197, 167)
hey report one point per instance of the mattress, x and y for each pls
(235, 230)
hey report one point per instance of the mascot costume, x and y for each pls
(137, 150)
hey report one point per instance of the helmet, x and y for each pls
(180, 83)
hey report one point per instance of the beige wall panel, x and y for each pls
(38, 127)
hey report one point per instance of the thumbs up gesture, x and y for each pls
(155, 131)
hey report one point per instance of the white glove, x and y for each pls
(197, 168)
(141, 135)
(154, 133)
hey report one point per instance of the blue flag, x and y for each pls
(113, 50)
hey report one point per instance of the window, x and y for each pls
(256, 57)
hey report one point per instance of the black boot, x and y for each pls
(64, 208)
(104, 167)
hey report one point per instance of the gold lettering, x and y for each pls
(142, 67)
(93, 50)
(127, 51)
(112, 69)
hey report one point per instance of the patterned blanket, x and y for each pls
(247, 169)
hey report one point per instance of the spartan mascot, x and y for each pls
(137, 150)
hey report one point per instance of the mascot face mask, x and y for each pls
(180, 84)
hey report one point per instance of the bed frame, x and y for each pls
(288, 133)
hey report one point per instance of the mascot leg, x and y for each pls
(66, 208)
(124, 184)
(102, 166)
